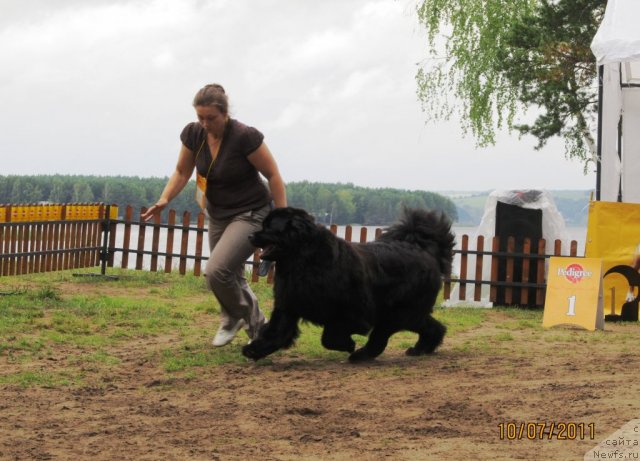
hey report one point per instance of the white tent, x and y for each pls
(616, 47)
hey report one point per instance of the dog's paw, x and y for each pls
(352, 347)
(361, 355)
(413, 352)
(348, 345)
(250, 351)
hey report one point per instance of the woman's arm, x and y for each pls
(177, 181)
(264, 162)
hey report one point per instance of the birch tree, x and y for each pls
(508, 60)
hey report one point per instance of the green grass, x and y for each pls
(82, 325)
(460, 318)
(39, 379)
(98, 313)
(44, 311)
(200, 355)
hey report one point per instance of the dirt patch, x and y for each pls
(448, 406)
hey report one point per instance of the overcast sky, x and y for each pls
(104, 87)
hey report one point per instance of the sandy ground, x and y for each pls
(449, 406)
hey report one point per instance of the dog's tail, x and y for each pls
(428, 229)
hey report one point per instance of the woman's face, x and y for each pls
(211, 119)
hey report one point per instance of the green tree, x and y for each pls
(329, 202)
(345, 206)
(32, 193)
(58, 194)
(504, 57)
(82, 193)
(17, 188)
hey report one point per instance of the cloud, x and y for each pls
(105, 87)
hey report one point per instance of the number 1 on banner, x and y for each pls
(574, 293)
(572, 305)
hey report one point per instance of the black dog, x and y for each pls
(376, 288)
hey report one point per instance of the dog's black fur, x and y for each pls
(376, 288)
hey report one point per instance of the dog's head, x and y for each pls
(284, 232)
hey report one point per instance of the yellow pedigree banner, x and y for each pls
(574, 293)
(613, 235)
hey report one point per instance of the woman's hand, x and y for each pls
(177, 181)
(154, 210)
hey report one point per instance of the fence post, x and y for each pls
(3, 211)
(540, 292)
(495, 247)
(57, 232)
(508, 292)
(155, 243)
(113, 228)
(21, 266)
(199, 237)
(5, 217)
(126, 240)
(142, 228)
(97, 239)
(171, 221)
(463, 267)
(347, 233)
(66, 230)
(105, 227)
(363, 234)
(85, 237)
(11, 244)
(186, 220)
(574, 248)
(477, 292)
(526, 261)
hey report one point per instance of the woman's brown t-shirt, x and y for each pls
(233, 184)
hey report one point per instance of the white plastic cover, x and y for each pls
(553, 228)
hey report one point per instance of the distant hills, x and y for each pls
(572, 204)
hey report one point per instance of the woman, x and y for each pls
(231, 156)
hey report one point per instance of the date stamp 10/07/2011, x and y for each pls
(546, 430)
(622, 444)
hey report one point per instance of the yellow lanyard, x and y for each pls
(214, 155)
(201, 181)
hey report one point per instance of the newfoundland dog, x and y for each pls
(376, 288)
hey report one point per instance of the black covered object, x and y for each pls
(520, 223)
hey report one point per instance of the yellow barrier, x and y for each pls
(54, 212)
(613, 234)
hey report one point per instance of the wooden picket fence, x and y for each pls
(517, 277)
(44, 238)
(182, 255)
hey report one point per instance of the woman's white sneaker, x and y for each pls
(225, 335)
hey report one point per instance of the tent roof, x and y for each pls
(618, 37)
